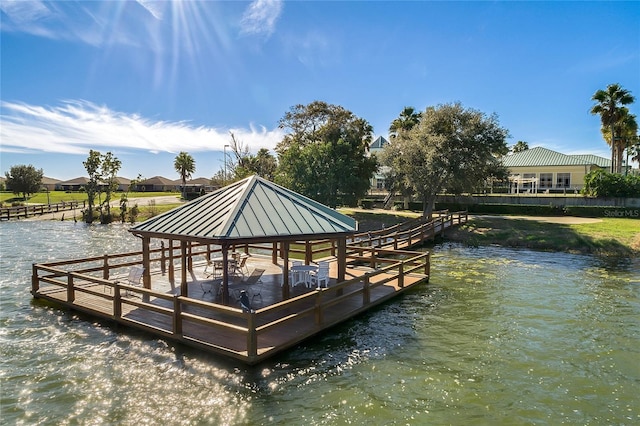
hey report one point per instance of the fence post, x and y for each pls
(401, 275)
(117, 301)
(319, 313)
(105, 267)
(70, 292)
(163, 258)
(427, 266)
(252, 336)
(177, 316)
(35, 281)
(366, 294)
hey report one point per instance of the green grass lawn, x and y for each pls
(60, 196)
(611, 237)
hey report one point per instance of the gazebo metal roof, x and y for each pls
(250, 209)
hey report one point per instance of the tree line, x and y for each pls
(325, 156)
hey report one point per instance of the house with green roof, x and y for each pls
(377, 181)
(543, 170)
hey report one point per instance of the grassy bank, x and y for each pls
(60, 196)
(610, 237)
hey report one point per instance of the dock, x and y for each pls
(179, 300)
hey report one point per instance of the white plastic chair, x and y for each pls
(322, 276)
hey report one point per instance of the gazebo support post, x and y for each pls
(274, 253)
(146, 276)
(308, 255)
(184, 291)
(172, 278)
(342, 261)
(225, 274)
(285, 270)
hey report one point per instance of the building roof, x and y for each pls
(250, 209)
(595, 159)
(539, 156)
(157, 180)
(49, 181)
(379, 143)
(123, 180)
(76, 181)
(197, 181)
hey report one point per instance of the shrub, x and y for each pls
(600, 183)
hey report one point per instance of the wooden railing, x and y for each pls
(409, 233)
(178, 310)
(380, 253)
(8, 213)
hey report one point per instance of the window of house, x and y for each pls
(380, 183)
(546, 180)
(563, 180)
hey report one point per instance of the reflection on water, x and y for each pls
(498, 337)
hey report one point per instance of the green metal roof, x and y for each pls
(595, 159)
(252, 208)
(379, 143)
(539, 156)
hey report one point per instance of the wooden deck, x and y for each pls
(377, 270)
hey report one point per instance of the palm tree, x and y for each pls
(608, 106)
(185, 165)
(519, 147)
(626, 129)
(405, 121)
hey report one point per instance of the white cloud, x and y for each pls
(77, 126)
(24, 12)
(260, 17)
(154, 7)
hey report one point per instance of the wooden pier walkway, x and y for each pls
(379, 267)
(23, 212)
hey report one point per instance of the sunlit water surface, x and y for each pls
(498, 337)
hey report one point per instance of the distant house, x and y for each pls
(73, 184)
(78, 183)
(378, 180)
(543, 170)
(50, 184)
(156, 184)
(195, 186)
(123, 183)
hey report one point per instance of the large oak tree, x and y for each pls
(24, 179)
(324, 155)
(449, 148)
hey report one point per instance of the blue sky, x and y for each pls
(148, 79)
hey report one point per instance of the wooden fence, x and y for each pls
(18, 212)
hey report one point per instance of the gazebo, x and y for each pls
(250, 211)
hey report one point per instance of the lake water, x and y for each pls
(498, 336)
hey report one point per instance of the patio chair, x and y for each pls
(134, 277)
(322, 276)
(254, 283)
(241, 264)
(295, 277)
